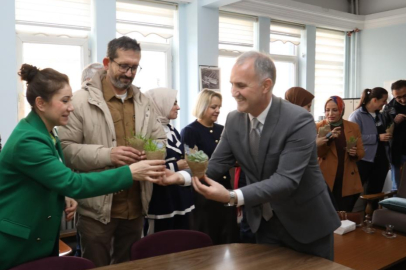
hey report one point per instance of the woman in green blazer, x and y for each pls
(34, 179)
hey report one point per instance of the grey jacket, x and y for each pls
(88, 138)
(369, 131)
(287, 175)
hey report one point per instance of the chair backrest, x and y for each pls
(402, 185)
(57, 263)
(170, 241)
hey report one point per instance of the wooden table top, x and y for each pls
(360, 250)
(64, 249)
(232, 256)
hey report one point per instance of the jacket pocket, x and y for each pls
(15, 229)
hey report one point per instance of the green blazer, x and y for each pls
(33, 184)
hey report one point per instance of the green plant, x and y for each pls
(352, 139)
(198, 156)
(152, 145)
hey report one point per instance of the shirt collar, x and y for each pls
(262, 116)
(109, 93)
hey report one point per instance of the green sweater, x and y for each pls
(33, 184)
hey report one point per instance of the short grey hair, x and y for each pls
(90, 70)
(203, 102)
(263, 64)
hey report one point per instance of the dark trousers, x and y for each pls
(272, 232)
(177, 222)
(373, 174)
(110, 243)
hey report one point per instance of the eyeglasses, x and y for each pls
(398, 98)
(124, 68)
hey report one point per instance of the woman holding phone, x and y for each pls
(337, 160)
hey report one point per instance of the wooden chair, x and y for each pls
(170, 241)
(383, 216)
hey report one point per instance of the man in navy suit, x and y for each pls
(286, 197)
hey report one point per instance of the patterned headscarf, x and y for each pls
(299, 96)
(340, 104)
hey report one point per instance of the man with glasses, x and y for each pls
(109, 109)
(395, 112)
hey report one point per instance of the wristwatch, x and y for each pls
(233, 198)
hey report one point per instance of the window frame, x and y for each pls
(43, 39)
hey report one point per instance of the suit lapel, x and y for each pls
(268, 130)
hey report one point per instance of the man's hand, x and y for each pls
(399, 118)
(148, 170)
(70, 208)
(214, 191)
(182, 164)
(385, 137)
(353, 151)
(125, 155)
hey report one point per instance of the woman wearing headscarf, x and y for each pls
(338, 162)
(303, 98)
(299, 96)
(170, 206)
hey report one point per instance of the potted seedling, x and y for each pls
(351, 143)
(390, 129)
(197, 161)
(324, 130)
(154, 150)
(137, 142)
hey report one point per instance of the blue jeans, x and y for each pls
(395, 171)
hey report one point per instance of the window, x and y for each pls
(330, 61)
(236, 36)
(152, 25)
(52, 34)
(285, 39)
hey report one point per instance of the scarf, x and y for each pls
(341, 108)
(162, 100)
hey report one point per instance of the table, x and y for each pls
(232, 256)
(360, 250)
(64, 249)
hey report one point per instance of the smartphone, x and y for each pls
(328, 136)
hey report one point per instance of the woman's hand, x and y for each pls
(148, 170)
(321, 141)
(182, 164)
(70, 208)
(336, 132)
(353, 151)
(385, 137)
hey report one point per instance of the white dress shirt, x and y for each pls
(261, 119)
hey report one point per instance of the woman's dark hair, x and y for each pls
(368, 94)
(43, 83)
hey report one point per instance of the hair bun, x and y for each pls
(28, 72)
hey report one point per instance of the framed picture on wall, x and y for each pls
(209, 78)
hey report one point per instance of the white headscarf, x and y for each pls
(162, 99)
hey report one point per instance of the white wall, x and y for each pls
(340, 5)
(8, 70)
(382, 56)
(374, 6)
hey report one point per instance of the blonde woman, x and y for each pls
(210, 217)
